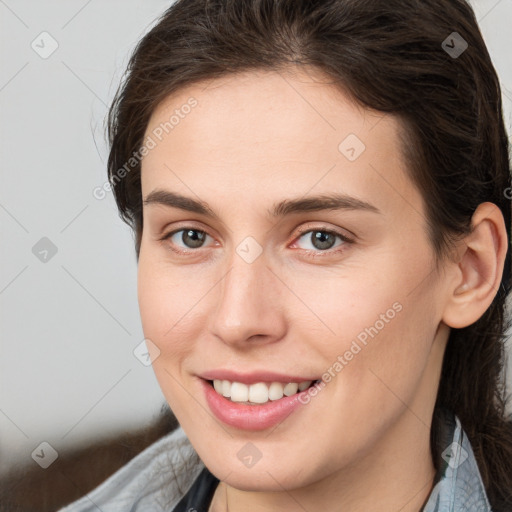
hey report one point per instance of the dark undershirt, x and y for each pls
(199, 496)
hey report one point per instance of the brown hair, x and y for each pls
(394, 57)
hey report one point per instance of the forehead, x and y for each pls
(290, 104)
(270, 131)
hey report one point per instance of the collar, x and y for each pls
(459, 486)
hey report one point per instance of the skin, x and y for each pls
(254, 140)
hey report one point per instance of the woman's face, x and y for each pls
(284, 242)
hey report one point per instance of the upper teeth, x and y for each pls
(258, 393)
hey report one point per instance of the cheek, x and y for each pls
(172, 323)
(378, 328)
(168, 302)
(387, 372)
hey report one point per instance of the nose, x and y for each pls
(250, 305)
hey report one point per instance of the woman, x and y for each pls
(318, 192)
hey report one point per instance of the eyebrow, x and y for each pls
(333, 201)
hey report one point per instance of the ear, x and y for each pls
(479, 267)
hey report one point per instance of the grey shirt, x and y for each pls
(159, 477)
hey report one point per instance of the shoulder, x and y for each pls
(156, 479)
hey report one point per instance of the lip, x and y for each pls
(254, 377)
(251, 417)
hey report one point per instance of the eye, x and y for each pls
(314, 240)
(189, 238)
(321, 240)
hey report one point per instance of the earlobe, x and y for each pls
(479, 268)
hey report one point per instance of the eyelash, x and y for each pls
(302, 232)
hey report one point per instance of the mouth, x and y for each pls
(258, 393)
(258, 399)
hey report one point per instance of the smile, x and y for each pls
(259, 392)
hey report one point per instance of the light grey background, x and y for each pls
(69, 325)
